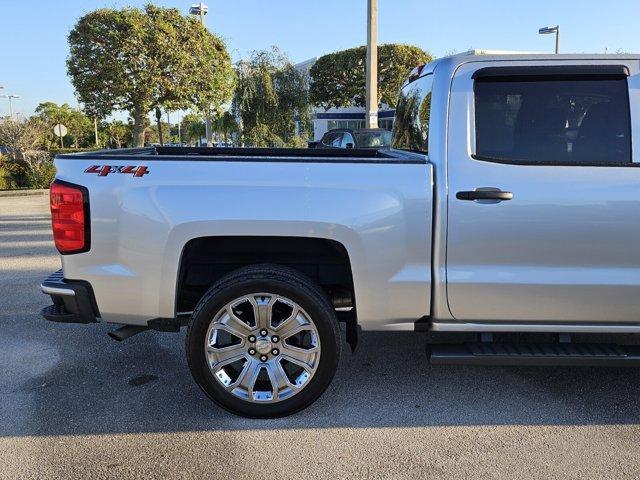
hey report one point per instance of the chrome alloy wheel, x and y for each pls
(262, 348)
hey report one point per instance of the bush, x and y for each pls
(41, 174)
(6, 180)
(34, 171)
(12, 175)
(298, 141)
(262, 136)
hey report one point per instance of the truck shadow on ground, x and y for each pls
(88, 384)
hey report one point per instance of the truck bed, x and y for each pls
(147, 205)
(225, 154)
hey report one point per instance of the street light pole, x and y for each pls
(201, 9)
(371, 119)
(548, 30)
(10, 103)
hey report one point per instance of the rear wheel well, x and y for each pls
(207, 259)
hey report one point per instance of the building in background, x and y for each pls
(342, 117)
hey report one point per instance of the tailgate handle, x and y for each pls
(484, 193)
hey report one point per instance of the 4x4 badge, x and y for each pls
(104, 170)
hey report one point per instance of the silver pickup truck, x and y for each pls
(509, 202)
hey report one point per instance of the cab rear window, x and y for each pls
(411, 124)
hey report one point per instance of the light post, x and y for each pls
(371, 119)
(201, 10)
(10, 103)
(548, 30)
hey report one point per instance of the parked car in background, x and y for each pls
(359, 138)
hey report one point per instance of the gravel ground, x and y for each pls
(74, 403)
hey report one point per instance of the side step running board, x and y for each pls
(573, 354)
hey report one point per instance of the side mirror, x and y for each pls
(349, 145)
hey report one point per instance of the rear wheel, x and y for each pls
(263, 342)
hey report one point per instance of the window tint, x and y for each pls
(568, 121)
(411, 125)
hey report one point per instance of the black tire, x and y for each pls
(281, 281)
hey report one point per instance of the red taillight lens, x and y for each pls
(69, 217)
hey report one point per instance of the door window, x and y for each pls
(528, 120)
(346, 139)
(332, 139)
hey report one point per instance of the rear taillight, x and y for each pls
(69, 217)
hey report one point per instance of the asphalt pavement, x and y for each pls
(76, 404)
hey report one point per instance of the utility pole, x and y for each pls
(95, 131)
(372, 65)
(201, 10)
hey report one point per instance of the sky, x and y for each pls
(33, 43)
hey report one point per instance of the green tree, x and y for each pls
(142, 59)
(153, 135)
(80, 130)
(119, 133)
(338, 79)
(192, 128)
(225, 125)
(79, 126)
(51, 114)
(269, 96)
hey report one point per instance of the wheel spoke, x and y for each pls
(248, 376)
(235, 323)
(262, 308)
(299, 356)
(278, 379)
(292, 326)
(226, 355)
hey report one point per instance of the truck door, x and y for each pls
(544, 193)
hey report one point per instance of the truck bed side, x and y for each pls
(378, 209)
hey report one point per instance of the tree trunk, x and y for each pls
(138, 128)
(158, 118)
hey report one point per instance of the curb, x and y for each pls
(23, 193)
